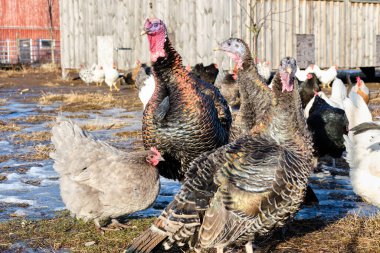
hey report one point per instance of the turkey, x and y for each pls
(98, 75)
(99, 182)
(363, 150)
(361, 89)
(229, 88)
(255, 96)
(263, 69)
(186, 116)
(205, 73)
(111, 77)
(308, 88)
(327, 124)
(244, 189)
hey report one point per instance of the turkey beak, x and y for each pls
(289, 70)
(143, 32)
(216, 49)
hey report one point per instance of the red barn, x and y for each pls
(25, 31)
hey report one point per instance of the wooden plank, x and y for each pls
(378, 50)
(341, 35)
(348, 33)
(345, 31)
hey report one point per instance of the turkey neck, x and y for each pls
(169, 70)
(288, 123)
(255, 96)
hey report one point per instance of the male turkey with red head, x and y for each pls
(185, 116)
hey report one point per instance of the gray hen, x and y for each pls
(99, 182)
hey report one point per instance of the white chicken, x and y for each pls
(98, 75)
(302, 74)
(263, 69)
(363, 150)
(146, 91)
(338, 93)
(325, 76)
(86, 74)
(324, 97)
(361, 89)
(111, 77)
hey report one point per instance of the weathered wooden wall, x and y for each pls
(344, 31)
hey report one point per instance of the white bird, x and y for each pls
(361, 89)
(146, 91)
(99, 182)
(363, 150)
(325, 76)
(263, 69)
(302, 74)
(86, 74)
(324, 97)
(98, 75)
(338, 93)
(111, 77)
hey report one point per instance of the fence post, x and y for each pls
(31, 51)
(8, 52)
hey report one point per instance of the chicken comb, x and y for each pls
(155, 150)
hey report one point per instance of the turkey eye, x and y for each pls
(155, 25)
(229, 43)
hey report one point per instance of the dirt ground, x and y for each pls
(350, 234)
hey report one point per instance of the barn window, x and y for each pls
(44, 43)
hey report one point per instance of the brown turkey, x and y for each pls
(186, 116)
(255, 96)
(244, 189)
(206, 73)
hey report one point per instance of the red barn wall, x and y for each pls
(22, 19)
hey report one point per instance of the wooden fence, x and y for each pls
(346, 33)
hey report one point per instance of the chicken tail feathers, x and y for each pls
(366, 126)
(147, 241)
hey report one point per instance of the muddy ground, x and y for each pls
(32, 215)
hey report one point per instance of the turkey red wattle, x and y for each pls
(237, 59)
(286, 81)
(157, 35)
(156, 46)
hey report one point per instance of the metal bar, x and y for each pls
(123, 48)
(8, 52)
